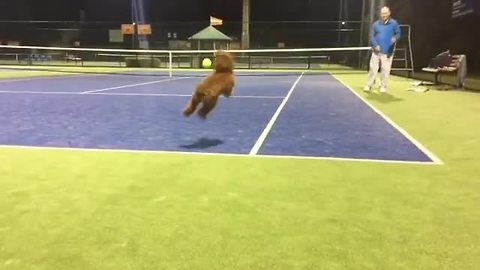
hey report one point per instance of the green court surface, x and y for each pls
(66, 209)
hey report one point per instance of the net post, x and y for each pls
(170, 60)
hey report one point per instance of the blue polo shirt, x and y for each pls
(381, 35)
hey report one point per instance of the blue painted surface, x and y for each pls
(245, 86)
(324, 118)
(125, 122)
(74, 83)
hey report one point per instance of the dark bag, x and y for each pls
(441, 60)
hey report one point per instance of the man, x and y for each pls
(383, 36)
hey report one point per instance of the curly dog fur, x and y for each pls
(220, 82)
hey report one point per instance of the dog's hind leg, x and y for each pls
(209, 103)
(193, 103)
(227, 91)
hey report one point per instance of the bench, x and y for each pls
(448, 64)
(76, 59)
(38, 57)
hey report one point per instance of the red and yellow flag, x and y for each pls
(215, 21)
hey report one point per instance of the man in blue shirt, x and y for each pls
(384, 34)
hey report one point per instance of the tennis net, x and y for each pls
(128, 61)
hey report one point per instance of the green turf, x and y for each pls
(10, 72)
(23, 74)
(89, 210)
(472, 82)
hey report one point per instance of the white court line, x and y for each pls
(133, 85)
(424, 149)
(263, 136)
(214, 154)
(126, 94)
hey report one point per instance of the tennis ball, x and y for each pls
(206, 63)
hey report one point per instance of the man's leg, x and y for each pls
(373, 71)
(386, 68)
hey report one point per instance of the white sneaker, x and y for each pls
(383, 90)
(366, 89)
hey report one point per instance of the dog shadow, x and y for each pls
(203, 143)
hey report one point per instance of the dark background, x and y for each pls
(174, 10)
(299, 23)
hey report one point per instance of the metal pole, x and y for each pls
(362, 24)
(133, 23)
(246, 24)
(373, 12)
(410, 49)
(362, 30)
(340, 11)
(170, 63)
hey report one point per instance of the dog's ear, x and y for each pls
(220, 52)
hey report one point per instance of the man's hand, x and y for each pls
(376, 49)
(394, 40)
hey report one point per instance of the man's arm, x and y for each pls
(398, 33)
(373, 41)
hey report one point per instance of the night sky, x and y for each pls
(175, 10)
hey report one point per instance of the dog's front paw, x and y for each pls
(202, 115)
(188, 111)
(227, 93)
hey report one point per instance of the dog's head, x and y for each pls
(223, 62)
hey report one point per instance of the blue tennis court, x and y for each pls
(293, 115)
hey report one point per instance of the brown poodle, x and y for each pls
(220, 82)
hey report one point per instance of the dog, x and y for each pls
(220, 82)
